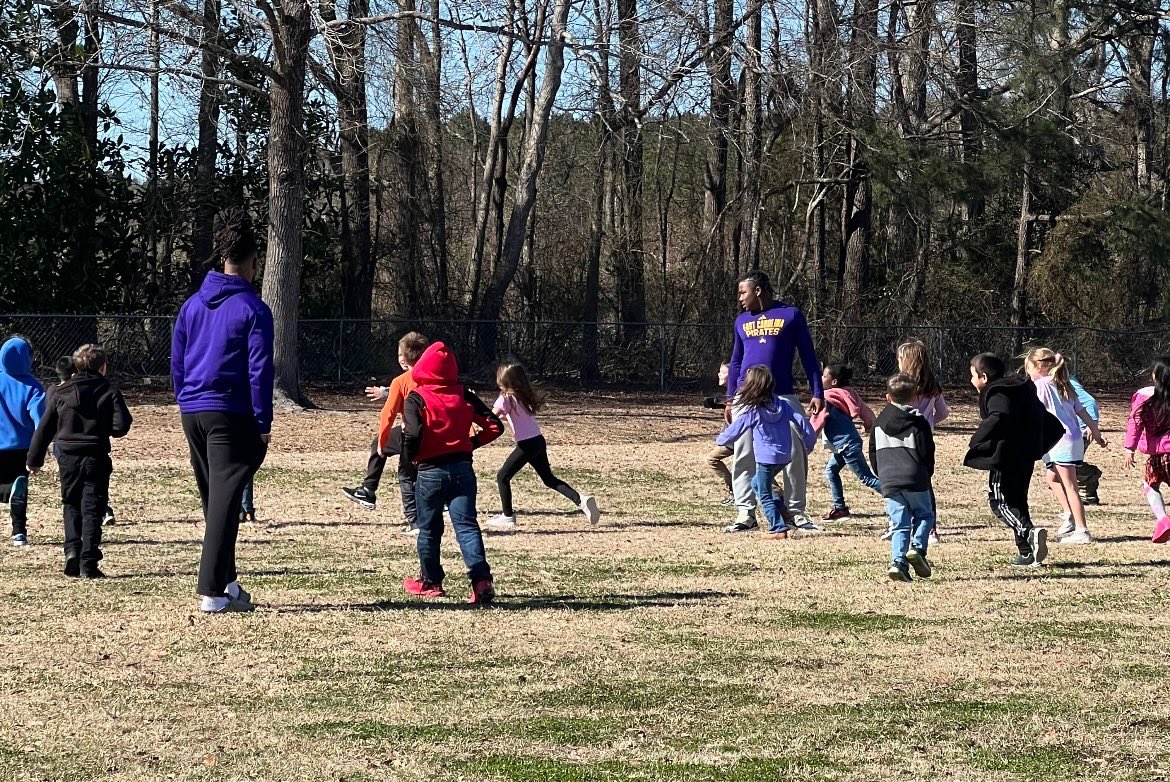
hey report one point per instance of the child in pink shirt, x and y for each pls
(516, 405)
(1148, 431)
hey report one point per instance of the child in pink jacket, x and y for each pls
(835, 423)
(1148, 431)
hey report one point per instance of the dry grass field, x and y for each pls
(650, 647)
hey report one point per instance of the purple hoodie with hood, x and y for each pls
(221, 352)
(771, 429)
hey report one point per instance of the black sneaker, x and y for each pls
(919, 562)
(899, 572)
(108, 518)
(742, 526)
(72, 565)
(1038, 542)
(92, 572)
(362, 497)
(1024, 560)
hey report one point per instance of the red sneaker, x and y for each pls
(420, 588)
(482, 592)
(836, 514)
(1162, 530)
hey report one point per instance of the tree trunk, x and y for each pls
(857, 210)
(719, 126)
(286, 192)
(202, 233)
(752, 143)
(629, 250)
(1019, 312)
(967, 87)
(410, 297)
(524, 196)
(89, 74)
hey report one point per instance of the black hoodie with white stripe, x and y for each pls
(901, 450)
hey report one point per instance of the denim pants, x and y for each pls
(851, 454)
(247, 502)
(452, 485)
(743, 469)
(773, 506)
(912, 518)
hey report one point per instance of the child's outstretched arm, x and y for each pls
(490, 425)
(46, 431)
(736, 430)
(807, 433)
(1093, 428)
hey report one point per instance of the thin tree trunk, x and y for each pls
(1019, 305)
(719, 126)
(629, 250)
(857, 210)
(203, 230)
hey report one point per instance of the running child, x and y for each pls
(1148, 431)
(388, 441)
(22, 403)
(1088, 475)
(1050, 374)
(66, 370)
(437, 418)
(771, 420)
(834, 422)
(1015, 431)
(902, 451)
(516, 405)
(914, 361)
(81, 415)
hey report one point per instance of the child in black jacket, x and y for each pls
(81, 415)
(901, 450)
(1015, 431)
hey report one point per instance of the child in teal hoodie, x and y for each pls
(22, 403)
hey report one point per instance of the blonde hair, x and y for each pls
(89, 358)
(914, 362)
(1052, 364)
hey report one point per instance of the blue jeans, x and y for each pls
(452, 485)
(246, 503)
(850, 454)
(762, 486)
(912, 518)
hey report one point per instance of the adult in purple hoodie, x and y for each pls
(770, 333)
(221, 364)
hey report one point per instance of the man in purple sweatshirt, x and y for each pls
(769, 332)
(221, 364)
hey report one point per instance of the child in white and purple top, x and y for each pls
(517, 403)
(914, 362)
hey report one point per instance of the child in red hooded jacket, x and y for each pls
(436, 436)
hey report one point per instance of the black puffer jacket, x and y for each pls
(1016, 429)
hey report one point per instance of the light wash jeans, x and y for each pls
(853, 456)
(743, 470)
(912, 519)
(773, 506)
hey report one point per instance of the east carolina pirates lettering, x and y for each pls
(763, 327)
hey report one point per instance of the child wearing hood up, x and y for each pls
(770, 419)
(22, 404)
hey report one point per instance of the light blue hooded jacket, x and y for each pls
(22, 397)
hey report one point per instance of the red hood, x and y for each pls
(436, 367)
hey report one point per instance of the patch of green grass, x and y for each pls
(566, 731)
(1035, 764)
(539, 769)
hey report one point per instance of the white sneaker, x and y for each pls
(889, 533)
(1066, 524)
(590, 509)
(802, 521)
(1079, 537)
(502, 523)
(933, 538)
(19, 541)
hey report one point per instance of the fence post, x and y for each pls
(661, 356)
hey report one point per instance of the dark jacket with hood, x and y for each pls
(901, 450)
(22, 397)
(81, 414)
(1016, 429)
(221, 353)
(438, 414)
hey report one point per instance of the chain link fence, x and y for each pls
(667, 356)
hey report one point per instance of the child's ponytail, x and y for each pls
(1154, 414)
(1053, 365)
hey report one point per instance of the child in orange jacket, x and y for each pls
(388, 441)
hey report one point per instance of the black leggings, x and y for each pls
(532, 451)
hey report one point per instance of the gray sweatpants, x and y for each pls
(743, 469)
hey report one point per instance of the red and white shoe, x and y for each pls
(422, 588)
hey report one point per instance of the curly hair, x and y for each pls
(235, 243)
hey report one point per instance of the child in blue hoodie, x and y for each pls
(22, 403)
(770, 419)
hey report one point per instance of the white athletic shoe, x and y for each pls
(501, 523)
(1079, 537)
(20, 540)
(590, 509)
(889, 533)
(802, 521)
(933, 538)
(1066, 524)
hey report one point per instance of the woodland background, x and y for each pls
(591, 161)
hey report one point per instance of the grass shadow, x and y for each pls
(568, 602)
